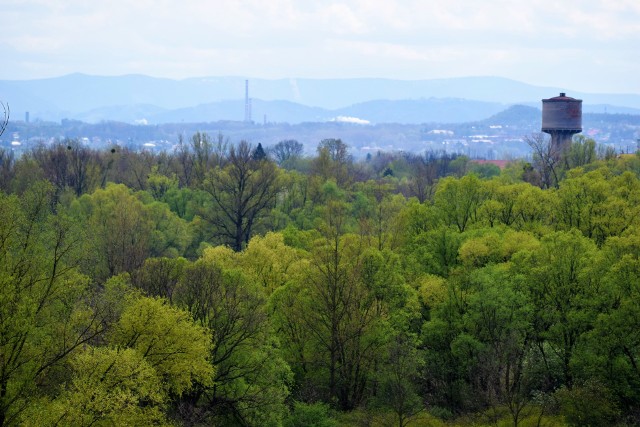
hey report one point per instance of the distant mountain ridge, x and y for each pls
(132, 98)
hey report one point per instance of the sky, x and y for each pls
(586, 45)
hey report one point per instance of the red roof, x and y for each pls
(499, 163)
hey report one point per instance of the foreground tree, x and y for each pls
(43, 312)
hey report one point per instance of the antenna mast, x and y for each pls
(247, 102)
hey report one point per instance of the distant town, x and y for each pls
(454, 116)
(500, 137)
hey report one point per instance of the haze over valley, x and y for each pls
(484, 117)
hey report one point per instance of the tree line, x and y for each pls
(231, 284)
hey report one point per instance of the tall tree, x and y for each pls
(241, 193)
(546, 159)
(251, 379)
(333, 161)
(340, 316)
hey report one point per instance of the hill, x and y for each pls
(135, 97)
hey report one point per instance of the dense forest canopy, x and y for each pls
(226, 284)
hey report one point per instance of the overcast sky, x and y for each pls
(586, 45)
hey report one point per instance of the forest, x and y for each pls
(229, 284)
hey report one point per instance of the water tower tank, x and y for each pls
(562, 113)
(561, 118)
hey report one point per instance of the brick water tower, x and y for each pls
(561, 118)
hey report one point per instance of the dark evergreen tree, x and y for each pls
(258, 153)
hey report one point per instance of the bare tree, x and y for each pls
(424, 174)
(69, 164)
(241, 191)
(7, 159)
(546, 158)
(286, 151)
(5, 120)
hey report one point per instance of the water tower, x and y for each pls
(561, 118)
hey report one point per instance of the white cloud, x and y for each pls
(319, 38)
(349, 119)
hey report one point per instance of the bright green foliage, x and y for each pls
(436, 251)
(501, 206)
(43, 315)
(534, 208)
(108, 387)
(270, 262)
(458, 200)
(123, 231)
(599, 204)
(581, 153)
(169, 341)
(160, 185)
(494, 246)
(118, 231)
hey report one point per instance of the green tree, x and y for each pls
(333, 161)
(125, 228)
(119, 231)
(251, 379)
(459, 199)
(44, 315)
(398, 380)
(340, 313)
(108, 387)
(581, 152)
(168, 340)
(562, 282)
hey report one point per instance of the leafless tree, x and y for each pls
(7, 160)
(424, 173)
(69, 164)
(241, 191)
(286, 151)
(546, 158)
(7, 163)
(5, 120)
